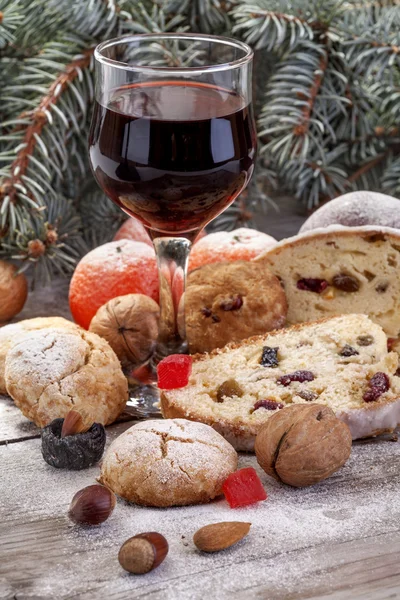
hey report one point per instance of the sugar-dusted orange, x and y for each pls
(132, 229)
(114, 269)
(240, 244)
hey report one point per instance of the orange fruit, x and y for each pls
(111, 270)
(132, 229)
(239, 244)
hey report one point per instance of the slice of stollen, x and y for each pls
(340, 270)
(236, 389)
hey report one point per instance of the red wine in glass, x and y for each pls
(174, 154)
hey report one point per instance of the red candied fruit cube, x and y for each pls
(174, 371)
(243, 487)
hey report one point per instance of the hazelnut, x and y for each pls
(13, 291)
(75, 422)
(92, 505)
(130, 325)
(143, 552)
(303, 444)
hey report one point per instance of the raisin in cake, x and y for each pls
(341, 362)
(340, 270)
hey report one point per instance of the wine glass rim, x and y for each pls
(246, 58)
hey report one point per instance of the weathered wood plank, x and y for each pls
(339, 539)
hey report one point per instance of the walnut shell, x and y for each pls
(13, 291)
(229, 302)
(130, 325)
(303, 444)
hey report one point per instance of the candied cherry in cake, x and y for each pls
(173, 372)
(243, 487)
(309, 284)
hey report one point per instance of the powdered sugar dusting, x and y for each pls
(357, 209)
(119, 254)
(298, 538)
(190, 458)
(58, 352)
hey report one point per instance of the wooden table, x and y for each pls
(337, 540)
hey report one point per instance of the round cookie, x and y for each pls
(51, 371)
(356, 209)
(229, 302)
(10, 334)
(171, 462)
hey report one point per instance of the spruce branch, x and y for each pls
(209, 16)
(28, 178)
(10, 19)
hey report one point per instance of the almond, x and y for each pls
(219, 536)
(74, 423)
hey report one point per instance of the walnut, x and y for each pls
(303, 444)
(130, 325)
(13, 291)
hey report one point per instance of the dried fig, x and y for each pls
(303, 444)
(130, 325)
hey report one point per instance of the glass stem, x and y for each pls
(172, 261)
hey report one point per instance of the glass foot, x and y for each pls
(144, 395)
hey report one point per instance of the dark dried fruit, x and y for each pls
(377, 385)
(74, 452)
(365, 340)
(346, 283)
(312, 285)
(382, 287)
(377, 237)
(348, 350)
(269, 357)
(215, 319)
(296, 376)
(206, 312)
(232, 304)
(391, 343)
(397, 373)
(307, 395)
(267, 404)
(229, 388)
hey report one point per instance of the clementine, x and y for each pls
(240, 244)
(111, 270)
(132, 229)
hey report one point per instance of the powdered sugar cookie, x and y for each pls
(10, 334)
(52, 371)
(168, 463)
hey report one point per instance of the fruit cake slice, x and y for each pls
(340, 270)
(341, 362)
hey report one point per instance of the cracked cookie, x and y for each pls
(228, 302)
(51, 371)
(174, 462)
(340, 270)
(10, 334)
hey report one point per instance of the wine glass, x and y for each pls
(173, 143)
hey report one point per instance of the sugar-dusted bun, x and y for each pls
(355, 210)
(236, 389)
(340, 270)
(51, 371)
(10, 334)
(168, 463)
